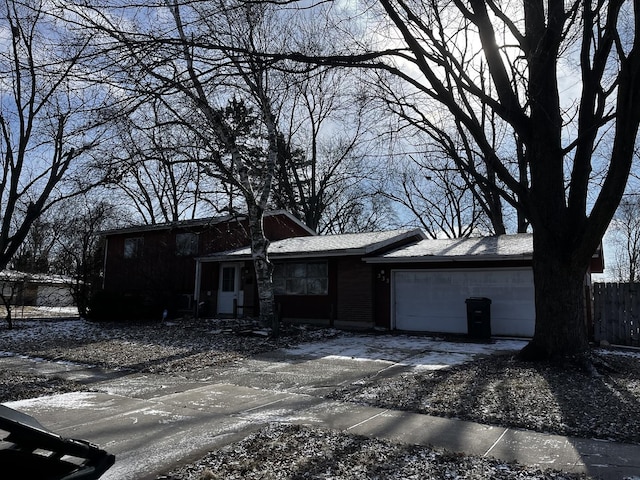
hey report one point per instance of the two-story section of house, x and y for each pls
(153, 266)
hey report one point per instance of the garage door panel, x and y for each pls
(428, 300)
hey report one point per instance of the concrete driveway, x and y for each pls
(152, 422)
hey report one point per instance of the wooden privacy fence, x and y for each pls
(616, 313)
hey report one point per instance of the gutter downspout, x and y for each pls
(104, 262)
(196, 291)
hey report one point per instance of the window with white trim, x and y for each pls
(301, 278)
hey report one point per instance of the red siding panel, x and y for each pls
(160, 275)
(355, 292)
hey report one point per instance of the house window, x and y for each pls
(133, 247)
(304, 278)
(186, 244)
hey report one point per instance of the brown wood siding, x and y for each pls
(209, 278)
(158, 268)
(160, 272)
(355, 291)
(251, 304)
(382, 296)
(278, 227)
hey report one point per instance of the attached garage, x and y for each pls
(424, 287)
(400, 280)
(434, 300)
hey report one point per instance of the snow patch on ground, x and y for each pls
(69, 328)
(621, 353)
(437, 360)
(415, 351)
(284, 415)
(69, 401)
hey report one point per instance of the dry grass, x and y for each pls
(299, 452)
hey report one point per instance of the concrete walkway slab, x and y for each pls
(601, 459)
(147, 386)
(608, 460)
(149, 436)
(309, 376)
(65, 370)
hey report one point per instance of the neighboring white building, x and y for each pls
(36, 289)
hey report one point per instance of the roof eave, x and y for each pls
(448, 259)
(201, 222)
(344, 252)
(293, 218)
(283, 256)
(416, 232)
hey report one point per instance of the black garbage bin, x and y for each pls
(31, 451)
(479, 317)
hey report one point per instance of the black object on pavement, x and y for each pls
(32, 451)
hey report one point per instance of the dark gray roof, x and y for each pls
(518, 246)
(326, 245)
(41, 278)
(198, 222)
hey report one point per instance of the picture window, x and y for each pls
(309, 278)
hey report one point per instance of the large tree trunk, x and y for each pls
(561, 328)
(263, 268)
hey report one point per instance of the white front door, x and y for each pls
(229, 289)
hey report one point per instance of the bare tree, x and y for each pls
(199, 59)
(12, 286)
(33, 254)
(45, 123)
(78, 251)
(366, 211)
(325, 168)
(436, 197)
(514, 59)
(623, 234)
(427, 130)
(159, 170)
(625, 237)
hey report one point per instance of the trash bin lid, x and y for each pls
(478, 299)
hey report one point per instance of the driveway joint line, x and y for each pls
(496, 442)
(264, 405)
(367, 419)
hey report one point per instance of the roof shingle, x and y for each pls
(327, 245)
(475, 248)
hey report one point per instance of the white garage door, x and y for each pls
(434, 300)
